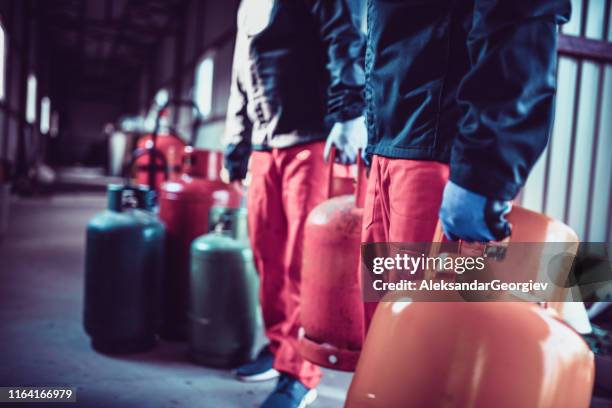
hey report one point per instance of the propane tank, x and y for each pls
(471, 354)
(184, 205)
(477, 354)
(332, 319)
(222, 297)
(156, 156)
(342, 179)
(123, 264)
(153, 170)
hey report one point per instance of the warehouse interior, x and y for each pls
(75, 72)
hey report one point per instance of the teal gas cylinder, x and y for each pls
(123, 265)
(222, 299)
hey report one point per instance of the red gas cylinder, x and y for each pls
(342, 180)
(459, 354)
(171, 147)
(151, 171)
(184, 204)
(331, 305)
(478, 354)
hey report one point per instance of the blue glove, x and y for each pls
(472, 217)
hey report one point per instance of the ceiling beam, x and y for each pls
(122, 43)
(68, 23)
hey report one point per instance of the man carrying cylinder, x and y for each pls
(459, 101)
(297, 81)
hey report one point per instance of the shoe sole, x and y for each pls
(309, 398)
(265, 376)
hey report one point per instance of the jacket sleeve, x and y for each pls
(237, 138)
(507, 95)
(345, 44)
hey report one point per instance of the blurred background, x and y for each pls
(81, 82)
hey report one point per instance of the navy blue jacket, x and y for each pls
(298, 69)
(466, 82)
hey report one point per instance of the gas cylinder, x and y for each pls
(471, 354)
(184, 205)
(343, 179)
(153, 170)
(160, 174)
(477, 354)
(222, 298)
(123, 265)
(331, 305)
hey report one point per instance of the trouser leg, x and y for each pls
(402, 204)
(304, 187)
(375, 220)
(268, 234)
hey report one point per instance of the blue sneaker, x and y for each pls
(290, 393)
(260, 369)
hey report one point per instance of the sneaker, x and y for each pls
(260, 369)
(290, 393)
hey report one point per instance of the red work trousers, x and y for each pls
(286, 185)
(402, 203)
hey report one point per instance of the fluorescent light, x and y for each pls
(45, 115)
(31, 100)
(204, 86)
(2, 61)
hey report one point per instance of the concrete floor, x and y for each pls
(42, 341)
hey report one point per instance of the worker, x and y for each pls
(296, 92)
(459, 103)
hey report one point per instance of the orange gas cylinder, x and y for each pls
(150, 171)
(184, 205)
(477, 354)
(331, 306)
(343, 179)
(480, 354)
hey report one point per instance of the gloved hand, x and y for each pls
(238, 185)
(348, 137)
(472, 217)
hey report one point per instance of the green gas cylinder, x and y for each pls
(223, 299)
(123, 263)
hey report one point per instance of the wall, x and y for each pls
(208, 28)
(572, 181)
(22, 58)
(21, 143)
